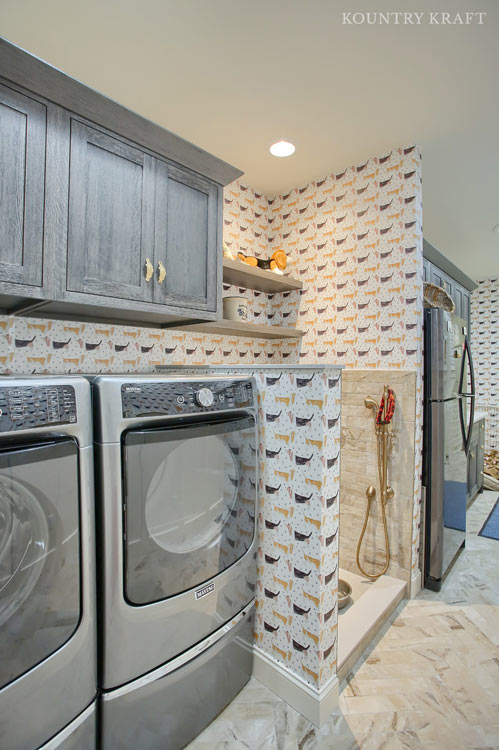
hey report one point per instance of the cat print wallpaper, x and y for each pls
(485, 348)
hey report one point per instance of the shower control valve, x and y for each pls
(204, 397)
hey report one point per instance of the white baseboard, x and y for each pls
(416, 584)
(315, 705)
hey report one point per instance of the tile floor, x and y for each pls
(430, 679)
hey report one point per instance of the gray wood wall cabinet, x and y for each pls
(23, 133)
(459, 294)
(103, 215)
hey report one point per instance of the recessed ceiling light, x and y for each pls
(496, 228)
(282, 148)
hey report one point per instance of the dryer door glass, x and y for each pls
(39, 552)
(189, 504)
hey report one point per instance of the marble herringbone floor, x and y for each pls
(430, 680)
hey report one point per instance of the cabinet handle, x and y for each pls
(148, 269)
(161, 272)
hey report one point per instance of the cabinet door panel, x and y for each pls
(458, 300)
(110, 216)
(23, 126)
(447, 284)
(436, 277)
(186, 239)
(426, 270)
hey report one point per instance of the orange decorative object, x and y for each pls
(278, 259)
(249, 259)
(386, 407)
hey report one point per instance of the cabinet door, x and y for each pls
(185, 239)
(447, 284)
(436, 277)
(458, 300)
(426, 270)
(111, 216)
(23, 127)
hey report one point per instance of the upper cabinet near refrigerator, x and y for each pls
(459, 294)
(104, 214)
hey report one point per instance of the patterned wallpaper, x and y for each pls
(485, 348)
(35, 345)
(299, 512)
(296, 615)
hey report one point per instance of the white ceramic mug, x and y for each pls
(235, 308)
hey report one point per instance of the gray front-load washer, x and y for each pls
(47, 565)
(176, 463)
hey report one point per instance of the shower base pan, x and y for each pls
(372, 602)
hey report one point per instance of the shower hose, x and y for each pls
(382, 423)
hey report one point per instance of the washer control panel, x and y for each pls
(184, 397)
(25, 407)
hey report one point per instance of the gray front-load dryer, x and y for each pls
(47, 565)
(177, 483)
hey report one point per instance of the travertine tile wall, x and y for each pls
(485, 349)
(359, 470)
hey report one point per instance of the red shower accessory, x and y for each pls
(385, 411)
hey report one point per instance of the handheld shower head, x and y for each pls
(371, 403)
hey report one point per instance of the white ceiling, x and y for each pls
(234, 75)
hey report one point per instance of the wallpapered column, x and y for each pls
(296, 620)
(485, 348)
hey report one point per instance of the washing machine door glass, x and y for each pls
(189, 504)
(39, 552)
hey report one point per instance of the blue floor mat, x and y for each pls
(490, 528)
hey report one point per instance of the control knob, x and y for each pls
(204, 397)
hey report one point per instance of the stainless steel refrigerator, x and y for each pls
(449, 392)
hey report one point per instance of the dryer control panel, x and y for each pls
(184, 397)
(25, 407)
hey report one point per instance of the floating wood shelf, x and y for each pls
(235, 328)
(240, 274)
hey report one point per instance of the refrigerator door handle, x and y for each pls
(470, 396)
(470, 360)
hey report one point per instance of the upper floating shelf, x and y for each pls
(240, 274)
(238, 328)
